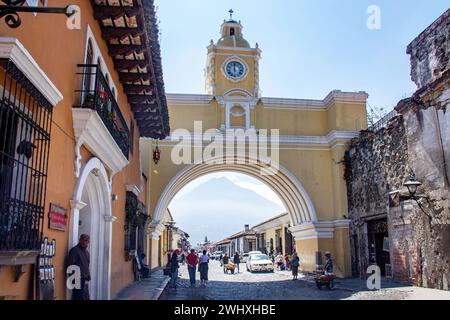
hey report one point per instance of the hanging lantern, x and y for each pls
(156, 154)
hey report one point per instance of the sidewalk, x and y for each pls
(146, 289)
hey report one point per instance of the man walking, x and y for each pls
(79, 256)
(192, 261)
(237, 260)
(174, 269)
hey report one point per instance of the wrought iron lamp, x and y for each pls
(156, 154)
(11, 10)
(412, 184)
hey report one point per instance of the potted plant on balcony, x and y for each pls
(88, 101)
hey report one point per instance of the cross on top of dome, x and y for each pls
(231, 15)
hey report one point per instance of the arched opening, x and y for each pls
(218, 205)
(91, 215)
(286, 186)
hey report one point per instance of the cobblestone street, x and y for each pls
(279, 286)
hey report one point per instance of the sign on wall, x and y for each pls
(57, 217)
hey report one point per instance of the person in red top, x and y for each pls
(192, 261)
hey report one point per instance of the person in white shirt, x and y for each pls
(203, 268)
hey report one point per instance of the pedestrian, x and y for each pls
(174, 266)
(225, 261)
(203, 268)
(237, 260)
(287, 258)
(145, 269)
(279, 259)
(79, 256)
(192, 261)
(183, 259)
(295, 263)
(329, 267)
(220, 259)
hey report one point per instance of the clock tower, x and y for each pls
(232, 75)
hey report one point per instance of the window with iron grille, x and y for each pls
(25, 125)
(135, 220)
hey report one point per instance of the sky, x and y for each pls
(309, 47)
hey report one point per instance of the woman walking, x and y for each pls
(295, 263)
(203, 268)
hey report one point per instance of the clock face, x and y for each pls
(235, 69)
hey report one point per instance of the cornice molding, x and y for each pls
(331, 139)
(11, 48)
(333, 97)
(319, 229)
(90, 131)
(134, 189)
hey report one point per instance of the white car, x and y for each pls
(259, 262)
(254, 252)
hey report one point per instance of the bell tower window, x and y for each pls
(231, 31)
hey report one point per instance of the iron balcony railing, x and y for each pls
(383, 121)
(96, 94)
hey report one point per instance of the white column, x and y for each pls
(247, 116)
(227, 115)
(76, 206)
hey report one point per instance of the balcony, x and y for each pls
(98, 121)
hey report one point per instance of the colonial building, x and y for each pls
(224, 246)
(398, 175)
(73, 105)
(273, 235)
(313, 135)
(243, 241)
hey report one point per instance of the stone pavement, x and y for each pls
(279, 286)
(146, 289)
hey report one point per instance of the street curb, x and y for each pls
(160, 290)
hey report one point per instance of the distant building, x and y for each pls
(224, 246)
(243, 241)
(273, 235)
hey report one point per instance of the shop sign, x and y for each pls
(57, 217)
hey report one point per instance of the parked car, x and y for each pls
(259, 262)
(254, 252)
(244, 257)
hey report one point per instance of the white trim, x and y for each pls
(134, 189)
(188, 99)
(319, 229)
(90, 131)
(11, 48)
(334, 96)
(238, 49)
(95, 179)
(98, 55)
(329, 141)
(279, 103)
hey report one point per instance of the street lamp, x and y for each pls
(412, 184)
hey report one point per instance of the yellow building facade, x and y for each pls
(307, 139)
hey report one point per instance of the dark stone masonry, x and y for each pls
(408, 238)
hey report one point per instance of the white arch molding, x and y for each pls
(290, 190)
(94, 181)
